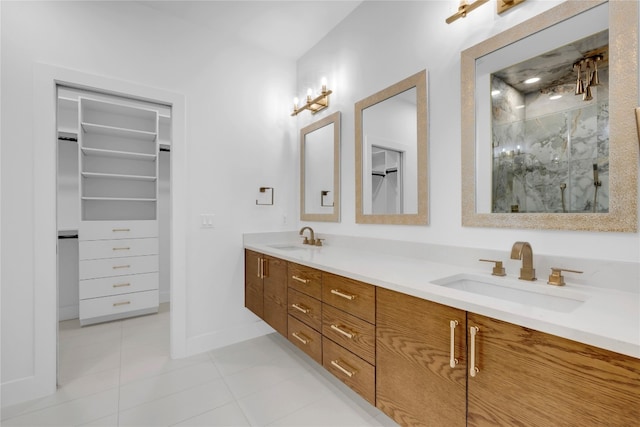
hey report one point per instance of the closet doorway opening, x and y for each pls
(113, 203)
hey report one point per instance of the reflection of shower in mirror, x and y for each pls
(386, 180)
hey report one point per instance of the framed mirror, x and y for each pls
(547, 120)
(320, 170)
(391, 154)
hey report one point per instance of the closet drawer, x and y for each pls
(305, 338)
(352, 333)
(108, 286)
(305, 279)
(96, 249)
(350, 369)
(118, 304)
(305, 309)
(354, 297)
(106, 230)
(95, 268)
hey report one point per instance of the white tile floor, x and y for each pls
(120, 374)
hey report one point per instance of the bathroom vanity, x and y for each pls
(397, 331)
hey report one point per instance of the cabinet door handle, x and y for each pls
(300, 279)
(260, 268)
(265, 268)
(124, 248)
(120, 285)
(341, 294)
(115, 267)
(473, 370)
(301, 308)
(452, 353)
(339, 330)
(300, 337)
(115, 304)
(345, 371)
(116, 230)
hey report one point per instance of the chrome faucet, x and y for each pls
(312, 239)
(523, 251)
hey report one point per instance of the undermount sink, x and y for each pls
(288, 247)
(534, 294)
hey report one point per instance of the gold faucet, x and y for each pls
(523, 251)
(311, 240)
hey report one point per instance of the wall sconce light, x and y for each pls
(504, 5)
(588, 66)
(465, 8)
(316, 104)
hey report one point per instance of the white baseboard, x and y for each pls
(165, 296)
(228, 336)
(24, 389)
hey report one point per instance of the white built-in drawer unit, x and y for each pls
(108, 286)
(96, 249)
(117, 306)
(106, 230)
(108, 267)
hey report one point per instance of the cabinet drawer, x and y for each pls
(350, 369)
(95, 268)
(305, 279)
(106, 230)
(352, 333)
(116, 306)
(96, 249)
(305, 309)
(305, 338)
(108, 286)
(354, 297)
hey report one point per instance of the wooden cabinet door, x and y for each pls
(529, 378)
(415, 384)
(253, 291)
(275, 293)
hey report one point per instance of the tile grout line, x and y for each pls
(235, 399)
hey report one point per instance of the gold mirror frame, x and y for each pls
(419, 82)
(335, 215)
(623, 153)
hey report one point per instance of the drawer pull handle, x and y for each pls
(121, 285)
(297, 335)
(115, 304)
(300, 279)
(342, 294)
(339, 330)
(301, 308)
(452, 353)
(260, 268)
(473, 370)
(115, 267)
(116, 230)
(342, 369)
(124, 248)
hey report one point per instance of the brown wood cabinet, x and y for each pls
(530, 378)
(266, 289)
(415, 384)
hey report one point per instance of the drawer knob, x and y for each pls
(116, 230)
(124, 248)
(116, 304)
(300, 279)
(301, 308)
(115, 267)
(121, 285)
(341, 294)
(336, 364)
(341, 331)
(300, 337)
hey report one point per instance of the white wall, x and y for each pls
(381, 43)
(239, 137)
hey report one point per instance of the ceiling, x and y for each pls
(286, 28)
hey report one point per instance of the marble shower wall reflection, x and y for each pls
(543, 148)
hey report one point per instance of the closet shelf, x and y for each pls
(118, 176)
(119, 132)
(119, 154)
(119, 199)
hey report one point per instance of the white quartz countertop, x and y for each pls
(607, 318)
